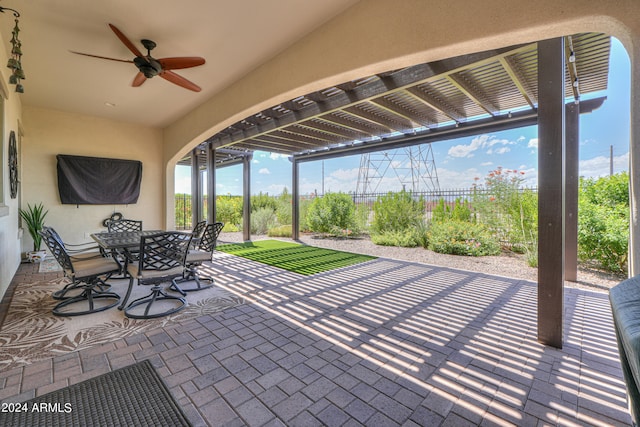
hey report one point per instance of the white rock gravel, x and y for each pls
(506, 265)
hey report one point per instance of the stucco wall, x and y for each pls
(9, 238)
(49, 132)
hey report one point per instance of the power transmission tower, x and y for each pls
(414, 168)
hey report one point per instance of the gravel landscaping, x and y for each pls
(507, 265)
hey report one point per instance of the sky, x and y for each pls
(457, 162)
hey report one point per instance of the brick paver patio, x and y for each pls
(381, 343)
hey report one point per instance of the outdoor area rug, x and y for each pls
(49, 265)
(130, 396)
(301, 259)
(30, 332)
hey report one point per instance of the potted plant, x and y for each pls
(33, 216)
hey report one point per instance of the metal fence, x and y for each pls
(432, 198)
(183, 202)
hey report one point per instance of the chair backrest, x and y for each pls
(124, 225)
(163, 251)
(199, 229)
(52, 239)
(53, 233)
(210, 237)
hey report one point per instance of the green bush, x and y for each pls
(280, 231)
(334, 213)
(262, 220)
(396, 212)
(460, 211)
(263, 201)
(462, 238)
(229, 209)
(603, 221)
(406, 239)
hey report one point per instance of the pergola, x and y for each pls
(540, 83)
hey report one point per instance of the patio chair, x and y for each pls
(197, 232)
(196, 257)
(123, 225)
(77, 252)
(88, 274)
(162, 258)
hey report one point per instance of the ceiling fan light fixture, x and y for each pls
(19, 88)
(13, 79)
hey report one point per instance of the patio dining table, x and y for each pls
(118, 240)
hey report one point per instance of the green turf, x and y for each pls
(301, 259)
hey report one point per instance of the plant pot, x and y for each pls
(36, 256)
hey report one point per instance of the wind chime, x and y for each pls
(15, 60)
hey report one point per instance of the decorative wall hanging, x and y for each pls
(15, 60)
(13, 165)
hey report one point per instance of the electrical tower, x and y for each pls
(414, 168)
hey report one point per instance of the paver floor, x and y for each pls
(381, 343)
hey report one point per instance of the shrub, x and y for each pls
(262, 201)
(331, 214)
(406, 239)
(229, 209)
(603, 221)
(396, 212)
(262, 220)
(460, 211)
(462, 238)
(230, 228)
(281, 231)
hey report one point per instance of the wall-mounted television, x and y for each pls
(98, 181)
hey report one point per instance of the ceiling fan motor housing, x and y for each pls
(148, 66)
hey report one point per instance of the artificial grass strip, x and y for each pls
(301, 259)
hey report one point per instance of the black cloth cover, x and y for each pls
(98, 181)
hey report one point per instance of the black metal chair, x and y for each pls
(124, 225)
(87, 274)
(77, 252)
(197, 232)
(196, 257)
(162, 258)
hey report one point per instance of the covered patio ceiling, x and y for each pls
(495, 87)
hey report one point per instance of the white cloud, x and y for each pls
(533, 143)
(458, 179)
(600, 166)
(346, 174)
(486, 163)
(502, 150)
(264, 171)
(477, 143)
(255, 161)
(276, 156)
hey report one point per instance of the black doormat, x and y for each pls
(130, 396)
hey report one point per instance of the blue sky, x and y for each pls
(458, 161)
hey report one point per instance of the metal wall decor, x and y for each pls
(13, 165)
(15, 60)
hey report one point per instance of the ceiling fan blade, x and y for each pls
(180, 62)
(138, 80)
(101, 57)
(125, 40)
(179, 80)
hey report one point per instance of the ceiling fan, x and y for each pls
(149, 66)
